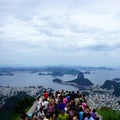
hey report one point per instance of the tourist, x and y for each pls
(61, 105)
(88, 117)
(51, 108)
(75, 116)
(45, 94)
(93, 114)
(41, 114)
(72, 106)
(80, 113)
(63, 116)
(39, 103)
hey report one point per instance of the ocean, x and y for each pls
(24, 79)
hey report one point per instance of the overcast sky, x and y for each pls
(60, 32)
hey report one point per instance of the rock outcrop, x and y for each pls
(81, 80)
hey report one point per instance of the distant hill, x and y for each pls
(60, 71)
(111, 83)
(93, 68)
(65, 69)
(116, 80)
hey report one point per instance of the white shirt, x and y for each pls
(41, 113)
(89, 118)
(38, 105)
(45, 104)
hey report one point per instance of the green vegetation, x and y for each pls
(15, 105)
(109, 114)
(23, 105)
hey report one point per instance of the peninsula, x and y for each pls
(79, 82)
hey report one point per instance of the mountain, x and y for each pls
(81, 80)
(108, 84)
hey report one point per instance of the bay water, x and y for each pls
(25, 79)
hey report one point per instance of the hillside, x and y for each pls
(108, 84)
(15, 105)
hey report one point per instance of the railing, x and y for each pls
(32, 109)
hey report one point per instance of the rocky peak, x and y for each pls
(80, 75)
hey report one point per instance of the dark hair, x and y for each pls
(80, 109)
(88, 114)
(94, 110)
(48, 116)
(23, 115)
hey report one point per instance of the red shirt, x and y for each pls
(45, 95)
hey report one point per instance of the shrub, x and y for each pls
(109, 114)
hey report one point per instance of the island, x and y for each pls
(57, 81)
(60, 72)
(6, 74)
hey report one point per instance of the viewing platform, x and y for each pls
(34, 111)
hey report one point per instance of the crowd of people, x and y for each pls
(62, 105)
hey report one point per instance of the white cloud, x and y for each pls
(49, 29)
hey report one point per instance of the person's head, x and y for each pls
(74, 118)
(48, 116)
(35, 117)
(27, 118)
(23, 115)
(44, 91)
(38, 98)
(41, 109)
(94, 110)
(45, 99)
(80, 109)
(62, 112)
(88, 115)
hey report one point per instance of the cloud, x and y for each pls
(52, 28)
